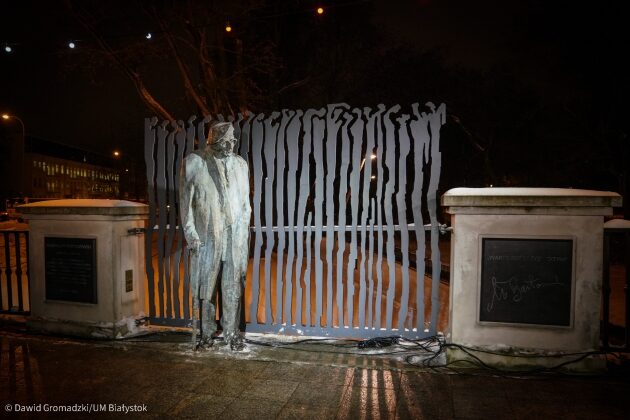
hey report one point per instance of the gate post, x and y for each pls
(86, 262)
(526, 274)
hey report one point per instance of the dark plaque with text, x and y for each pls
(526, 281)
(70, 269)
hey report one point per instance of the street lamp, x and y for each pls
(21, 149)
(13, 117)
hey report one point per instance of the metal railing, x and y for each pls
(14, 274)
(616, 234)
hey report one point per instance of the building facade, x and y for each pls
(35, 168)
(54, 177)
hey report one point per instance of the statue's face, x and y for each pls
(225, 146)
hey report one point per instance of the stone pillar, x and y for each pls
(86, 262)
(526, 273)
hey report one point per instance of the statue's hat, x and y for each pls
(218, 131)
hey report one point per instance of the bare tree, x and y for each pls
(219, 71)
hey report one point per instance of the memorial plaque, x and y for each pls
(70, 269)
(526, 281)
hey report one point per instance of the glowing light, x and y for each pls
(5, 116)
(320, 10)
(148, 35)
(8, 49)
(71, 45)
(372, 156)
(373, 177)
(228, 27)
(116, 153)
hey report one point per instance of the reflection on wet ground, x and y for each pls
(166, 379)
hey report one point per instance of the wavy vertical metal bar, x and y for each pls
(341, 222)
(356, 131)
(271, 136)
(149, 161)
(292, 140)
(318, 148)
(160, 183)
(257, 144)
(244, 139)
(370, 268)
(404, 147)
(180, 142)
(171, 178)
(307, 271)
(436, 120)
(390, 164)
(236, 124)
(365, 216)
(420, 137)
(279, 210)
(202, 135)
(304, 192)
(187, 147)
(333, 124)
(379, 221)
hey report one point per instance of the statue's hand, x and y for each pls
(194, 245)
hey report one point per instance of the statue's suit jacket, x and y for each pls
(210, 206)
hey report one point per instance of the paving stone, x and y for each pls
(225, 383)
(376, 378)
(471, 406)
(247, 409)
(297, 412)
(314, 374)
(202, 406)
(268, 389)
(367, 402)
(308, 395)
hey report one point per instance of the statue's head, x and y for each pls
(221, 139)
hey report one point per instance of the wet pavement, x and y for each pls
(159, 376)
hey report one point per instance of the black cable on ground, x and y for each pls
(429, 349)
(476, 362)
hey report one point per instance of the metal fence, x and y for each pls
(340, 199)
(14, 275)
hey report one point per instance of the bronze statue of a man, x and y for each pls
(215, 213)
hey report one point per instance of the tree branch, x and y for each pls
(183, 69)
(152, 103)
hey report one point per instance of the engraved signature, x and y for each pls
(515, 289)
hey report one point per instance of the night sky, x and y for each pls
(523, 76)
